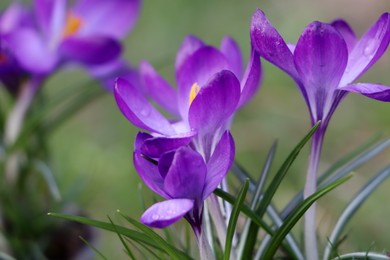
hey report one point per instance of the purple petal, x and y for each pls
(190, 45)
(347, 33)
(233, 54)
(90, 50)
(14, 17)
(250, 83)
(368, 50)
(138, 110)
(186, 176)
(320, 58)
(155, 147)
(165, 162)
(165, 213)
(219, 164)
(158, 88)
(140, 139)
(374, 91)
(112, 18)
(149, 173)
(198, 68)
(51, 16)
(270, 45)
(34, 56)
(215, 103)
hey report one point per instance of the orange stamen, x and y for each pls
(73, 24)
(193, 92)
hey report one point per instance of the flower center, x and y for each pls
(193, 92)
(73, 24)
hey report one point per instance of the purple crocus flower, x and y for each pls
(87, 32)
(184, 178)
(11, 73)
(186, 158)
(325, 62)
(207, 81)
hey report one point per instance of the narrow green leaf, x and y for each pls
(93, 248)
(359, 198)
(233, 219)
(296, 215)
(132, 234)
(121, 239)
(271, 190)
(363, 255)
(169, 249)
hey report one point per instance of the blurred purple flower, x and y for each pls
(87, 32)
(326, 61)
(11, 73)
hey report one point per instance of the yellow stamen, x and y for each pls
(73, 24)
(193, 92)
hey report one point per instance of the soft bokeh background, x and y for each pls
(92, 152)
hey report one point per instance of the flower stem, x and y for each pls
(203, 244)
(311, 249)
(14, 123)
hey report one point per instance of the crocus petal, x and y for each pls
(148, 172)
(15, 16)
(51, 16)
(165, 213)
(374, 91)
(270, 45)
(368, 50)
(198, 68)
(347, 33)
(190, 45)
(251, 80)
(90, 50)
(320, 58)
(138, 110)
(155, 147)
(34, 56)
(215, 102)
(233, 54)
(186, 176)
(140, 139)
(112, 18)
(219, 163)
(158, 88)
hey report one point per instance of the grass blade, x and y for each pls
(121, 239)
(363, 255)
(233, 219)
(172, 251)
(352, 207)
(296, 215)
(93, 248)
(271, 190)
(132, 234)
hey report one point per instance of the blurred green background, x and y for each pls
(92, 152)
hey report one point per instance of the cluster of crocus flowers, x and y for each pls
(324, 63)
(183, 159)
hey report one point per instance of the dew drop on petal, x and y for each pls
(155, 216)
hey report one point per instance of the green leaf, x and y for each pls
(352, 207)
(233, 219)
(296, 215)
(172, 251)
(93, 248)
(132, 234)
(121, 239)
(271, 190)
